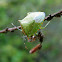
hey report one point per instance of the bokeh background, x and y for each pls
(12, 47)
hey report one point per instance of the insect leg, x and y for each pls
(45, 25)
(24, 39)
(16, 27)
(40, 37)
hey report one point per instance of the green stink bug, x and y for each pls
(30, 25)
(32, 22)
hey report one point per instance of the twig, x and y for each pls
(48, 18)
(9, 29)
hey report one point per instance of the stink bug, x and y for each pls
(31, 24)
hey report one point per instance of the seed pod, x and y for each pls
(37, 47)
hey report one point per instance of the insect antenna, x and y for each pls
(24, 37)
(25, 45)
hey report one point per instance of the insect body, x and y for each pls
(32, 22)
(30, 25)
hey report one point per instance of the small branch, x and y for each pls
(48, 18)
(9, 29)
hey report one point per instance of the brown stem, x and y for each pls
(48, 18)
(9, 29)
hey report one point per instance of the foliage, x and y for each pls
(12, 44)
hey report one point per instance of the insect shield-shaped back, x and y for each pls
(32, 22)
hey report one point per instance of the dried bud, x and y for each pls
(37, 47)
(31, 39)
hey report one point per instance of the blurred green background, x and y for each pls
(12, 47)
